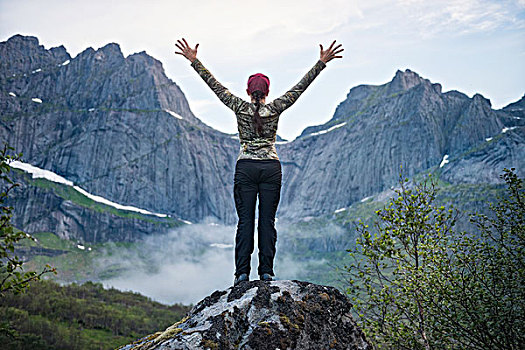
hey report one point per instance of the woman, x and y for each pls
(258, 169)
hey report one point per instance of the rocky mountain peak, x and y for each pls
(364, 97)
(111, 48)
(111, 51)
(18, 39)
(478, 98)
(517, 112)
(108, 55)
(378, 127)
(115, 125)
(23, 54)
(143, 58)
(264, 315)
(120, 128)
(455, 94)
(403, 81)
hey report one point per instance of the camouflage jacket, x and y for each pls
(254, 146)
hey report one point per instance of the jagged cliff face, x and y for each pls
(119, 128)
(116, 126)
(407, 122)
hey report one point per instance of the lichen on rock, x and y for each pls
(264, 315)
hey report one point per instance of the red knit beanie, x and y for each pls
(258, 82)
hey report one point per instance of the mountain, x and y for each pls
(264, 315)
(407, 122)
(115, 126)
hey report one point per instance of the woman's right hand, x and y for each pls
(186, 50)
(330, 54)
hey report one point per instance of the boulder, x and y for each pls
(264, 315)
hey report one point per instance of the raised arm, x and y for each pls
(293, 94)
(231, 101)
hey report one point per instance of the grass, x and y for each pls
(76, 265)
(72, 263)
(49, 240)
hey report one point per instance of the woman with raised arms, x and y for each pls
(258, 169)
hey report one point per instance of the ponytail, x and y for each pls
(257, 95)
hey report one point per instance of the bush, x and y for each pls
(417, 284)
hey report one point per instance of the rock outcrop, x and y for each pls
(264, 316)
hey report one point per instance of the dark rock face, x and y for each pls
(514, 113)
(485, 163)
(264, 315)
(116, 126)
(23, 55)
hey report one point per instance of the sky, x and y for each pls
(474, 46)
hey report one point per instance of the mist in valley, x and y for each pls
(190, 262)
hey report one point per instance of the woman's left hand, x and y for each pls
(331, 53)
(186, 50)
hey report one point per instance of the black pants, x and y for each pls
(252, 178)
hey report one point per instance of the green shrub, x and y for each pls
(417, 284)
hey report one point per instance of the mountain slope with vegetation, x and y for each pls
(50, 316)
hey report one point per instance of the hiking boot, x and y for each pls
(241, 278)
(265, 277)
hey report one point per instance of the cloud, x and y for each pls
(231, 28)
(184, 265)
(458, 17)
(188, 263)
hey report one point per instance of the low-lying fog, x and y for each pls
(190, 262)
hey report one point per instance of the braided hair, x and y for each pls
(258, 88)
(258, 95)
